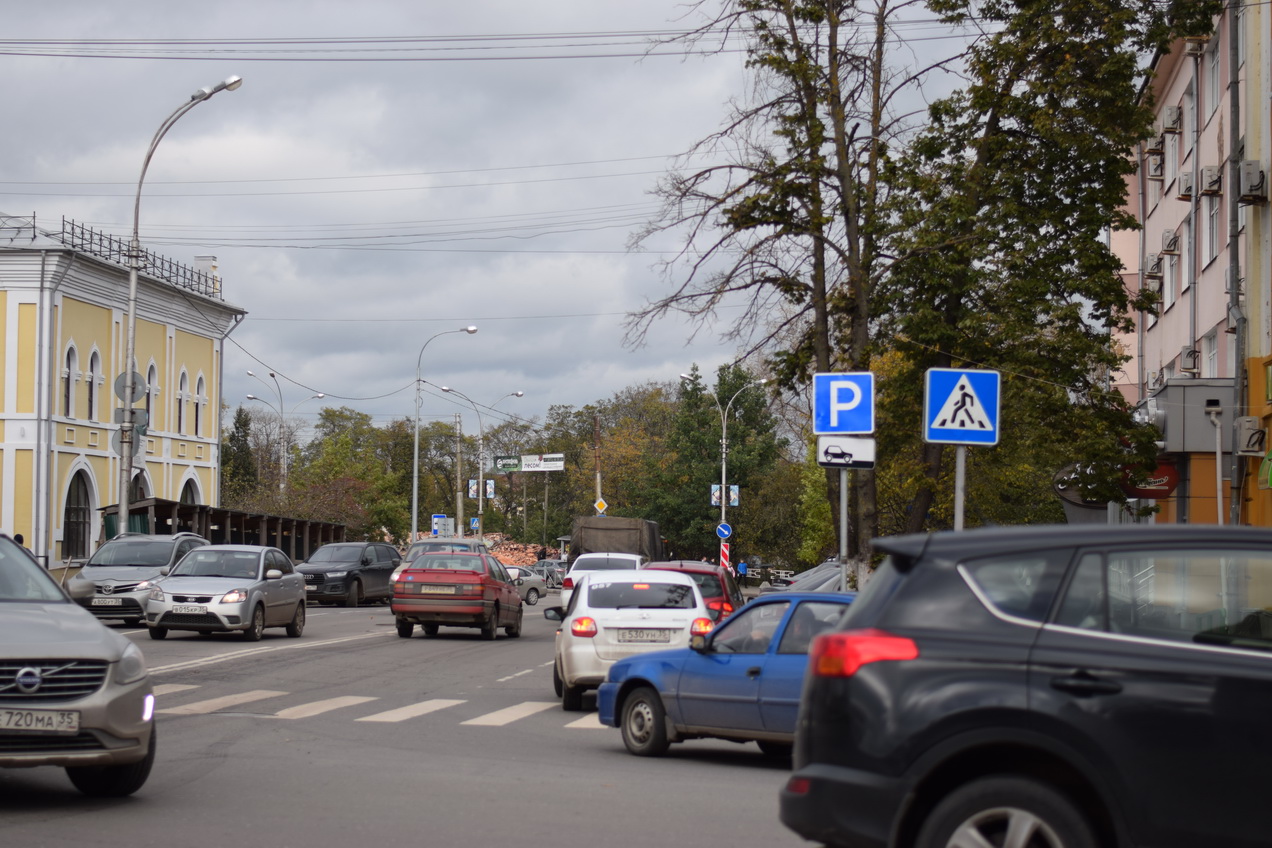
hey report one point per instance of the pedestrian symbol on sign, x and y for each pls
(963, 410)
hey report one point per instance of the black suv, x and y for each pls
(120, 572)
(1044, 687)
(350, 572)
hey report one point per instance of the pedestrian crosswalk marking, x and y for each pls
(510, 714)
(592, 721)
(172, 688)
(422, 708)
(320, 707)
(213, 704)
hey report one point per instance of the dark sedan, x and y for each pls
(741, 682)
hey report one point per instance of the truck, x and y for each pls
(604, 533)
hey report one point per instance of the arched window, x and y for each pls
(182, 393)
(152, 389)
(189, 493)
(68, 383)
(198, 406)
(94, 369)
(78, 520)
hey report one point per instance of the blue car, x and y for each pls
(742, 682)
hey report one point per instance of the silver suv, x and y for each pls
(121, 571)
(73, 693)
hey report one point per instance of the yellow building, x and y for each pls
(63, 337)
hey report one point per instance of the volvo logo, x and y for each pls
(28, 680)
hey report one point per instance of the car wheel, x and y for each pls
(297, 625)
(515, 630)
(984, 811)
(256, 629)
(644, 723)
(430, 629)
(158, 633)
(532, 597)
(556, 680)
(490, 627)
(406, 628)
(114, 781)
(571, 698)
(775, 750)
(355, 594)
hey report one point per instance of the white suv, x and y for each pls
(615, 614)
(597, 562)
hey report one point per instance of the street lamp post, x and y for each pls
(481, 454)
(284, 433)
(415, 464)
(126, 427)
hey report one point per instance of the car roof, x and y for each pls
(637, 575)
(238, 548)
(449, 554)
(449, 540)
(685, 565)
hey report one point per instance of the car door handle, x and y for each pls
(1083, 684)
(753, 671)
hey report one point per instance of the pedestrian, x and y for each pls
(742, 572)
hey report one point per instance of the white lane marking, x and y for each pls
(319, 707)
(589, 722)
(234, 655)
(172, 688)
(422, 708)
(213, 704)
(515, 676)
(510, 714)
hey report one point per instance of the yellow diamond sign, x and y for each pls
(600, 506)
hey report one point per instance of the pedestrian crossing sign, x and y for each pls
(960, 407)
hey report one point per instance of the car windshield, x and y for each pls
(445, 563)
(240, 565)
(22, 579)
(132, 552)
(337, 553)
(643, 595)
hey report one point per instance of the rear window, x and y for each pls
(445, 563)
(642, 595)
(708, 584)
(603, 564)
(436, 547)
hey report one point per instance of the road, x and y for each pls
(352, 735)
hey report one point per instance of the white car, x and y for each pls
(615, 614)
(597, 562)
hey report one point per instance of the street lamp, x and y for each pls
(126, 427)
(284, 432)
(481, 453)
(724, 437)
(415, 465)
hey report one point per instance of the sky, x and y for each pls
(387, 172)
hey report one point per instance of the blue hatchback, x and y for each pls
(742, 682)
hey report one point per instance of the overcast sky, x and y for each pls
(436, 167)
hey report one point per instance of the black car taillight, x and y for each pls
(841, 654)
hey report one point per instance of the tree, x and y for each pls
(238, 466)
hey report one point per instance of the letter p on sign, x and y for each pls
(843, 403)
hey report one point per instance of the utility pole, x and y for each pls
(459, 482)
(596, 451)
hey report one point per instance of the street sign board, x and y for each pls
(601, 506)
(543, 462)
(507, 463)
(960, 406)
(138, 387)
(846, 451)
(843, 403)
(723, 530)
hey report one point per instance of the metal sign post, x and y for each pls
(960, 407)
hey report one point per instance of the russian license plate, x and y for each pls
(429, 589)
(629, 635)
(40, 721)
(189, 609)
(312, 588)
(107, 602)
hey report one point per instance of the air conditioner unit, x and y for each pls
(1170, 243)
(1172, 119)
(1155, 167)
(1156, 143)
(1184, 186)
(1195, 46)
(1211, 180)
(1153, 266)
(1153, 284)
(1254, 183)
(1189, 358)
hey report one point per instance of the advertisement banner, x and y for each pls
(543, 462)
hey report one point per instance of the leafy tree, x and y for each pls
(238, 466)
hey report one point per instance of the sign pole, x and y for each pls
(960, 484)
(843, 529)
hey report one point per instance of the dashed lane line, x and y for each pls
(234, 655)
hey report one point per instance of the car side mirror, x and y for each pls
(273, 574)
(698, 642)
(554, 614)
(519, 581)
(165, 570)
(366, 559)
(80, 589)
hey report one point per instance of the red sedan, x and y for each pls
(457, 589)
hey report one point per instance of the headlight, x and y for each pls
(156, 594)
(337, 573)
(145, 584)
(131, 666)
(235, 596)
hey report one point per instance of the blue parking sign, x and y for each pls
(843, 403)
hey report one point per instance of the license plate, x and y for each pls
(644, 635)
(40, 721)
(107, 602)
(189, 609)
(436, 590)
(312, 588)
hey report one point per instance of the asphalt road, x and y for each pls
(351, 735)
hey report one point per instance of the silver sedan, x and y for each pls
(221, 588)
(530, 586)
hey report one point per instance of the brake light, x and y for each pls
(724, 607)
(568, 583)
(701, 627)
(583, 626)
(841, 654)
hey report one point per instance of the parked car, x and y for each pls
(597, 562)
(73, 693)
(120, 571)
(551, 570)
(350, 572)
(742, 682)
(530, 586)
(440, 545)
(460, 589)
(719, 590)
(615, 614)
(1076, 690)
(228, 588)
